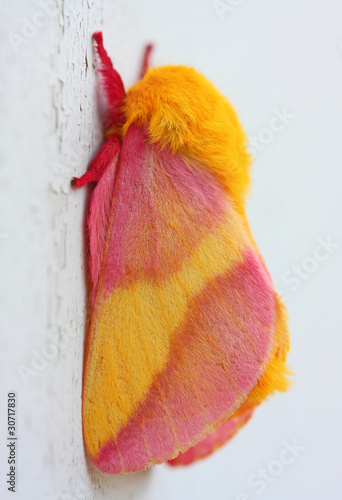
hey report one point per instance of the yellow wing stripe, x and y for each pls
(132, 332)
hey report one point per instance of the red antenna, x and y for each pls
(146, 59)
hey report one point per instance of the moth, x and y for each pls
(187, 334)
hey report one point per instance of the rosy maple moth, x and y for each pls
(187, 334)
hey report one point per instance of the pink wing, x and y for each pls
(220, 436)
(172, 227)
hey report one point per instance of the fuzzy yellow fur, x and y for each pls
(275, 377)
(184, 111)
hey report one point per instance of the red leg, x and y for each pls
(146, 60)
(99, 164)
(112, 85)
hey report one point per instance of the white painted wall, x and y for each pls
(265, 56)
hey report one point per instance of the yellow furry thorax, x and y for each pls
(185, 112)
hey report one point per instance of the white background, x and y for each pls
(264, 56)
